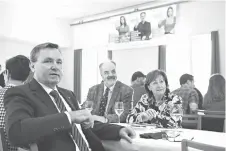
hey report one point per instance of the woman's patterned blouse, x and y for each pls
(158, 113)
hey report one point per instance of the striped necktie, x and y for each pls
(75, 132)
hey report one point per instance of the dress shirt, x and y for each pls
(48, 90)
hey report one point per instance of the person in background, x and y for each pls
(214, 99)
(2, 81)
(200, 99)
(188, 94)
(105, 94)
(17, 71)
(158, 105)
(143, 27)
(169, 22)
(123, 30)
(41, 112)
(137, 80)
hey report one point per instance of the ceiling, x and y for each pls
(71, 9)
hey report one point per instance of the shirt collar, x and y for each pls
(111, 88)
(47, 89)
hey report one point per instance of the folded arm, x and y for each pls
(22, 126)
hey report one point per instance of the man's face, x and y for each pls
(108, 74)
(48, 67)
(191, 84)
(142, 17)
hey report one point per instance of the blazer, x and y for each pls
(31, 117)
(121, 92)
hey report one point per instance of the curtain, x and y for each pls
(110, 54)
(78, 73)
(162, 57)
(215, 57)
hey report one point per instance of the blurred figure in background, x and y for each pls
(158, 105)
(200, 98)
(169, 22)
(17, 71)
(138, 80)
(214, 99)
(123, 30)
(2, 81)
(189, 95)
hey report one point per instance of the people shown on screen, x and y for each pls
(144, 27)
(123, 30)
(158, 105)
(214, 99)
(169, 22)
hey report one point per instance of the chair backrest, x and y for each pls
(205, 114)
(200, 146)
(190, 121)
(3, 141)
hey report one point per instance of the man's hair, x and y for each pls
(36, 50)
(136, 75)
(100, 66)
(18, 67)
(185, 77)
(142, 13)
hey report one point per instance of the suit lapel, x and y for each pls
(114, 95)
(100, 91)
(42, 95)
(68, 98)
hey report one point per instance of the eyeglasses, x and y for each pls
(171, 138)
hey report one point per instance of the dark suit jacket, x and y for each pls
(31, 117)
(121, 92)
(144, 29)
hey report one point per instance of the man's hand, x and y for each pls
(80, 116)
(99, 118)
(127, 133)
(144, 38)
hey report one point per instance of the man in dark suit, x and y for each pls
(41, 112)
(105, 94)
(143, 27)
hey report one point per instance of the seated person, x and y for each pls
(188, 94)
(105, 94)
(169, 22)
(214, 99)
(123, 30)
(143, 27)
(158, 105)
(137, 80)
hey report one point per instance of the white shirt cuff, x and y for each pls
(68, 116)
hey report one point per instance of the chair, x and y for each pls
(211, 115)
(191, 121)
(33, 147)
(200, 146)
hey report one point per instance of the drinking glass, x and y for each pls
(88, 105)
(119, 108)
(177, 114)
